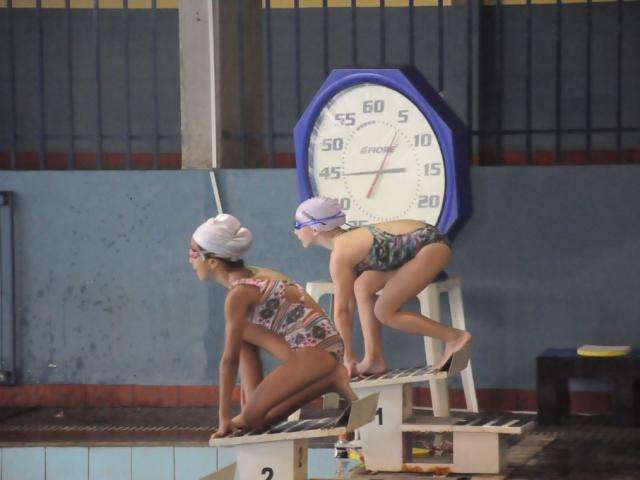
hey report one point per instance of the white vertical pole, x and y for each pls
(216, 192)
(214, 59)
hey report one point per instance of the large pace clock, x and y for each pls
(386, 146)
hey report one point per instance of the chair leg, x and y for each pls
(430, 307)
(313, 292)
(458, 321)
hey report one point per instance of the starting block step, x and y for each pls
(287, 430)
(357, 414)
(280, 451)
(504, 423)
(455, 365)
(399, 376)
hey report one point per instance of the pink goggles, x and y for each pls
(196, 254)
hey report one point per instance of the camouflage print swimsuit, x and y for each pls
(300, 326)
(390, 251)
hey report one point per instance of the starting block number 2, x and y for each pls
(268, 472)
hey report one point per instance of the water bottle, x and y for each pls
(341, 453)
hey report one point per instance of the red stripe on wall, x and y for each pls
(173, 161)
(513, 158)
(89, 161)
(207, 396)
(567, 157)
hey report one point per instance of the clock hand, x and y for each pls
(388, 170)
(375, 180)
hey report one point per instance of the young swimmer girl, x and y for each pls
(272, 314)
(401, 256)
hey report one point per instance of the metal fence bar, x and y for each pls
(558, 82)
(499, 73)
(412, 28)
(354, 33)
(40, 85)
(241, 82)
(69, 66)
(325, 37)
(98, 73)
(588, 86)
(127, 95)
(7, 292)
(154, 74)
(297, 56)
(269, 50)
(12, 88)
(88, 136)
(528, 86)
(470, 77)
(440, 45)
(383, 29)
(619, 26)
(538, 131)
(259, 135)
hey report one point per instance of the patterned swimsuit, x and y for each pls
(299, 325)
(390, 251)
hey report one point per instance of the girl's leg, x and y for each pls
(365, 288)
(250, 368)
(308, 373)
(410, 280)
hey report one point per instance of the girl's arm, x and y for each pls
(235, 308)
(343, 276)
(250, 371)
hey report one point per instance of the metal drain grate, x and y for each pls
(105, 428)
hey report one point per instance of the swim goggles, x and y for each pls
(195, 254)
(316, 221)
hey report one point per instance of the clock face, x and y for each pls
(373, 150)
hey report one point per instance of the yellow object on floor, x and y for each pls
(421, 452)
(603, 351)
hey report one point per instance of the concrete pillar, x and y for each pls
(212, 116)
(197, 76)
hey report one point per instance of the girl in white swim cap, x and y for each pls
(270, 313)
(401, 256)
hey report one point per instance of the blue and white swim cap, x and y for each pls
(320, 213)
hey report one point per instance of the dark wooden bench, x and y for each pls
(556, 366)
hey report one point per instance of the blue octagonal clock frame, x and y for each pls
(450, 131)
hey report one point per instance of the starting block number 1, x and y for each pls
(379, 415)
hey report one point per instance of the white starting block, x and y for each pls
(429, 299)
(280, 452)
(473, 444)
(383, 441)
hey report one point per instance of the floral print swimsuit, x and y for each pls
(300, 326)
(390, 251)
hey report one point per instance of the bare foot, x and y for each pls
(452, 347)
(351, 365)
(238, 422)
(372, 366)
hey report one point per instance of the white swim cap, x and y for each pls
(223, 236)
(320, 213)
